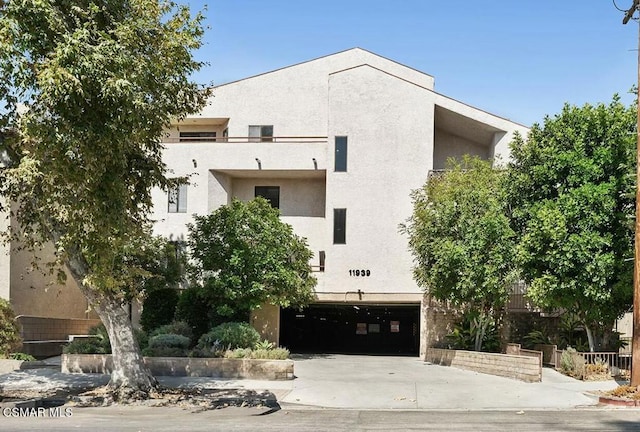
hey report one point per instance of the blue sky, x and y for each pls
(519, 59)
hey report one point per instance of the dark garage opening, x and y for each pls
(352, 329)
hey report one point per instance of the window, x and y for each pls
(260, 133)
(270, 193)
(178, 199)
(339, 226)
(196, 136)
(341, 153)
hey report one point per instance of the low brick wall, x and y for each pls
(187, 366)
(523, 368)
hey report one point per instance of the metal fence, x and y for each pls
(598, 363)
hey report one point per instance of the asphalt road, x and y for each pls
(297, 419)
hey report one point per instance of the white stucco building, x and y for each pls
(338, 143)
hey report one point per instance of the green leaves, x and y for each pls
(570, 190)
(460, 237)
(88, 89)
(245, 256)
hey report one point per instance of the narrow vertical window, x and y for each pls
(178, 199)
(339, 226)
(341, 153)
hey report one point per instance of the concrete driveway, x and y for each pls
(366, 382)
(377, 382)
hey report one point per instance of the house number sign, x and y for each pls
(361, 273)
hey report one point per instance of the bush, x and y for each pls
(572, 363)
(169, 340)
(159, 308)
(142, 337)
(268, 354)
(176, 327)
(164, 352)
(84, 346)
(230, 335)
(99, 344)
(238, 353)
(167, 345)
(10, 340)
(21, 356)
(193, 309)
(271, 354)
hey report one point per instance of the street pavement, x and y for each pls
(367, 382)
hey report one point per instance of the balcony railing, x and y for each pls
(264, 139)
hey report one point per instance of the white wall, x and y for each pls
(389, 125)
(448, 145)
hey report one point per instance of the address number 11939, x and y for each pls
(361, 273)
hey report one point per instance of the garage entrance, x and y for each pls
(353, 329)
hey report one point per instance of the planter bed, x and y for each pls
(187, 366)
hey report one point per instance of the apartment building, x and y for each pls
(337, 144)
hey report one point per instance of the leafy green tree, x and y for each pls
(571, 187)
(88, 88)
(244, 255)
(462, 242)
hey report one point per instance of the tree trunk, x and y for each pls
(130, 378)
(592, 345)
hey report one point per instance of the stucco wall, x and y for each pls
(389, 125)
(298, 197)
(293, 99)
(448, 145)
(33, 292)
(266, 320)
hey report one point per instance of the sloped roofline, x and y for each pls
(320, 58)
(432, 91)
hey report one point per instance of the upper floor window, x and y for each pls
(341, 153)
(178, 199)
(197, 136)
(261, 133)
(270, 193)
(339, 226)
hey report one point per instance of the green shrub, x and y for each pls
(230, 335)
(271, 354)
(21, 356)
(193, 309)
(84, 346)
(167, 345)
(142, 337)
(169, 340)
(238, 353)
(10, 340)
(159, 308)
(164, 352)
(176, 327)
(264, 345)
(267, 354)
(99, 344)
(572, 363)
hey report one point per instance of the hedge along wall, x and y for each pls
(523, 368)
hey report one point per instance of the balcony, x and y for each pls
(244, 140)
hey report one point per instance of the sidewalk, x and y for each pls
(366, 382)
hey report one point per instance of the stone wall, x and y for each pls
(439, 321)
(186, 366)
(523, 368)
